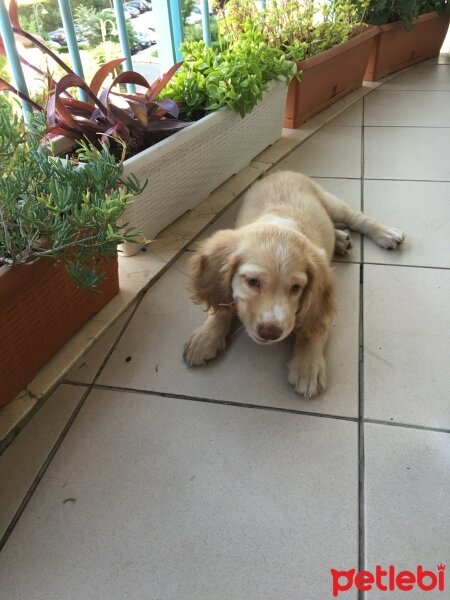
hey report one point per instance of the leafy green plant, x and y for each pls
(300, 28)
(52, 209)
(380, 12)
(234, 74)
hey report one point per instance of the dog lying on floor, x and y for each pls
(274, 272)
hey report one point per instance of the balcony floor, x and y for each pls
(141, 479)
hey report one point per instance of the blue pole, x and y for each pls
(123, 37)
(205, 23)
(72, 43)
(13, 57)
(176, 28)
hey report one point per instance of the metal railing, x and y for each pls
(169, 30)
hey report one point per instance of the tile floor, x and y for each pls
(143, 480)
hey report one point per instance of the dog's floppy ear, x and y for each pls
(211, 269)
(316, 303)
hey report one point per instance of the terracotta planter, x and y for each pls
(327, 77)
(40, 309)
(395, 48)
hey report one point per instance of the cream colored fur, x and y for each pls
(273, 271)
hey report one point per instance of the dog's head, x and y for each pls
(279, 281)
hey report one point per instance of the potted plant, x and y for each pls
(329, 45)
(410, 32)
(205, 152)
(58, 235)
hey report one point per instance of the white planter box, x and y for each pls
(184, 169)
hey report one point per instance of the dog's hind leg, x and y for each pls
(342, 241)
(340, 212)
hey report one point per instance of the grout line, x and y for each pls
(361, 455)
(406, 266)
(407, 426)
(408, 126)
(43, 468)
(113, 347)
(405, 180)
(169, 395)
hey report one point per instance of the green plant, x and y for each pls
(234, 74)
(53, 209)
(380, 12)
(194, 33)
(300, 28)
(186, 9)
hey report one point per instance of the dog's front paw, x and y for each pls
(308, 375)
(390, 239)
(202, 346)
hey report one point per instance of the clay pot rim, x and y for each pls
(356, 40)
(420, 19)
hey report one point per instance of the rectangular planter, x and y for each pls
(184, 169)
(40, 309)
(327, 77)
(395, 48)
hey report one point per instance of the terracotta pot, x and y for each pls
(395, 48)
(40, 309)
(327, 77)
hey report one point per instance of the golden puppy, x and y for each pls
(274, 272)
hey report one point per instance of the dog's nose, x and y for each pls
(269, 332)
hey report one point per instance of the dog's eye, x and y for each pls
(254, 283)
(295, 288)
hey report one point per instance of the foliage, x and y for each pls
(91, 21)
(105, 52)
(194, 33)
(186, 9)
(139, 119)
(299, 27)
(51, 208)
(234, 74)
(380, 12)
(43, 16)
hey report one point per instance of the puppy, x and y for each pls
(274, 272)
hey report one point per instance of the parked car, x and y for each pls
(141, 5)
(144, 39)
(134, 12)
(59, 35)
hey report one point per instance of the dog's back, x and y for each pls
(286, 197)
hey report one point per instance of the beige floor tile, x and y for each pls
(21, 462)
(407, 345)
(188, 501)
(407, 108)
(331, 152)
(421, 77)
(422, 210)
(406, 153)
(351, 116)
(87, 367)
(407, 498)
(149, 354)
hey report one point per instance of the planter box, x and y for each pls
(395, 48)
(327, 77)
(40, 309)
(184, 169)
